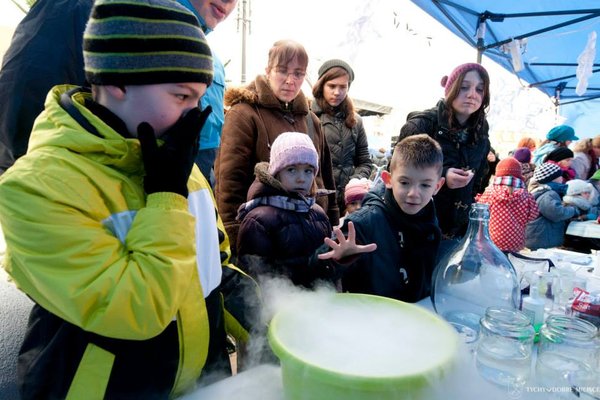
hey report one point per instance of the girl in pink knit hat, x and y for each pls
(281, 225)
(458, 123)
(355, 192)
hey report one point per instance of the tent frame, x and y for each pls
(478, 42)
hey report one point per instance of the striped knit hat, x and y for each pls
(546, 172)
(144, 42)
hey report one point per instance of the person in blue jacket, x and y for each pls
(548, 189)
(558, 136)
(46, 50)
(111, 229)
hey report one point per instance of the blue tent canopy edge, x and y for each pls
(544, 38)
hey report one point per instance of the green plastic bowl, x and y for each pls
(356, 346)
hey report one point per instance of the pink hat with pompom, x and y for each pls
(448, 80)
(356, 189)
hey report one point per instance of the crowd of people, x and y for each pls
(139, 272)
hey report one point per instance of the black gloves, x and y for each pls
(168, 167)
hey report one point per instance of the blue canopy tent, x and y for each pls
(538, 40)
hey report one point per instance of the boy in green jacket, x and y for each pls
(110, 228)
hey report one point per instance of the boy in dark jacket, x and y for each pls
(401, 228)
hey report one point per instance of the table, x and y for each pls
(464, 382)
(264, 382)
(588, 229)
(586, 266)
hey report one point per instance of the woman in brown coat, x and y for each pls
(267, 107)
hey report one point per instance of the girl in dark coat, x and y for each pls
(342, 126)
(459, 125)
(281, 225)
(270, 105)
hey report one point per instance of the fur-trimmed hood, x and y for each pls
(260, 93)
(261, 171)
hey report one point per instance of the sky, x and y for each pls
(399, 55)
(10, 15)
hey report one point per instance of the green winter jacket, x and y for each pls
(118, 277)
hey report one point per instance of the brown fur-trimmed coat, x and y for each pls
(255, 119)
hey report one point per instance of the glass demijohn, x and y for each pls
(472, 277)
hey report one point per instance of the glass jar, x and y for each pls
(505, 346)
(568, 353)
(474, 276)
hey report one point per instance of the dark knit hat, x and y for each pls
(448, 81)
(561, 133)
(509, 166)
(327, 65)
(546, 172)
(144, 42)
(559, 154)
(522, 154)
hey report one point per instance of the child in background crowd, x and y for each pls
(511, 206)
(380, 158)
(356, 191)
(548, 229)
(528, 142)
(562, 157)
(559, 136)
(595, 182)
(585, 160)
(281, 225)
(523, 155)
(354, 194)
(579, 194)
(402, 224)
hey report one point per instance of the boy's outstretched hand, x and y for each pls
(346, 246)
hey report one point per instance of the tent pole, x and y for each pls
(480, 38)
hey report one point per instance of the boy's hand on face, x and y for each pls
(457, 178)
(168, 167)
(346, 246)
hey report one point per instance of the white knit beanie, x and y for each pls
(291, 148)
(578, 186)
